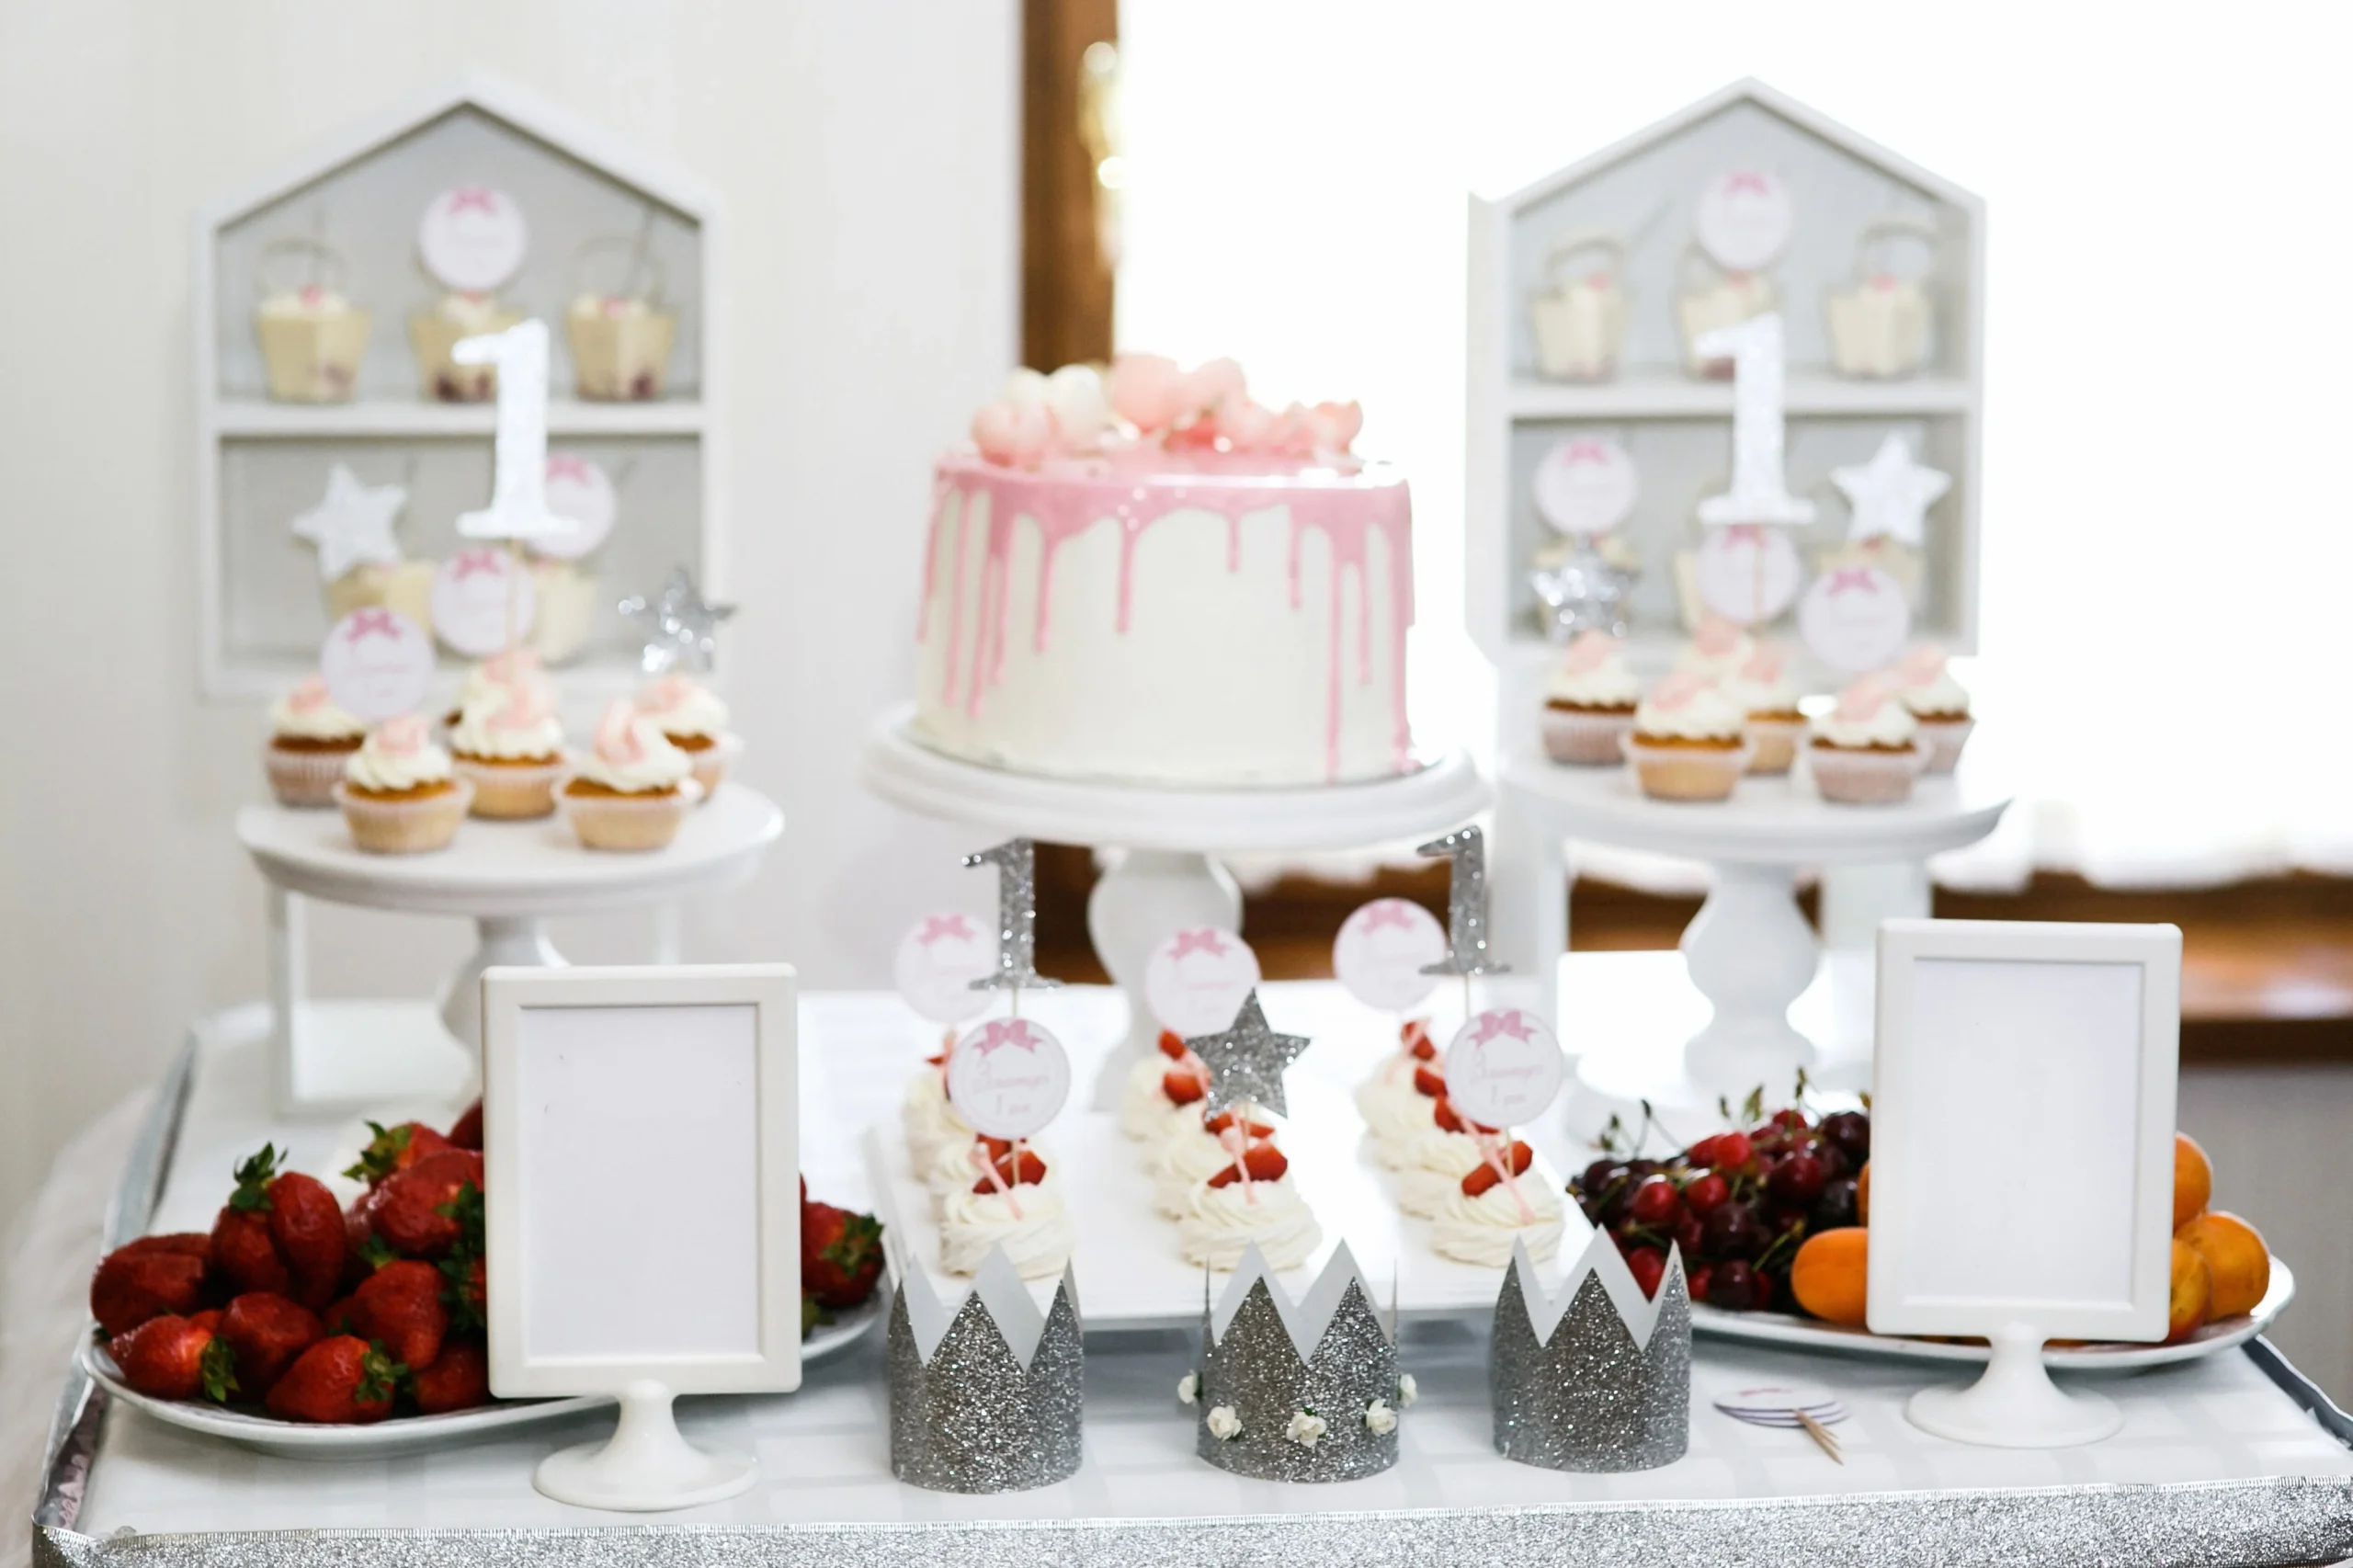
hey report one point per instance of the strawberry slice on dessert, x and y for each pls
(1414, 1035)
(1182, 1085)
(1222, 1122)
(1429, 1081)
(1487, 1177)
(1261, 1162)
(1172, 1045)
(1023, 1170)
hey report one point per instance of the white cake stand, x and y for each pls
(509, 878)
(1749, 951)
(1168, 877)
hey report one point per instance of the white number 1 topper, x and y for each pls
(518, 491)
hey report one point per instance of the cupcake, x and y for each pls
(634, 789)
(1867, 750)
(311, 738)
(1938, 702)
(311, 340)
(1589, 703)
(621, 345)
(1015, 1204)
(1507, 1200)
(1251, 1201)
(510, 746)
(693, 719)
(1717, 648)
(432, 334)
(398, 795)
(495, 677)
(1762, 689)
(1689, 741)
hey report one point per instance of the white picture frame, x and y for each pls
(2065, 1038)
(641, 1205)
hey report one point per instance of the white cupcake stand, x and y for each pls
(1168, 877)
(1749, 952)
(510, 878)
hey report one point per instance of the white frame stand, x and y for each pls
(509, 879)
(2015, 1404)
(1749, 951)
(1169, 876)
(647, 1466)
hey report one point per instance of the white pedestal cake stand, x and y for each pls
(1749, 951)
(1168, 877)
(509, 878)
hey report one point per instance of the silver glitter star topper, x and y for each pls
(1465, 851)
(681, 625)
(985, 1390)
(1583, 591)
(1246, 1062)
(1596, 1376)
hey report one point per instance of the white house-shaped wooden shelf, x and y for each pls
(1643, 191)
(261, 462)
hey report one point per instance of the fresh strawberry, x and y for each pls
(1172, 1045)
(466, 1131)
(458, 1380)
(1415, 1036)
(841, 1253)
(1453, 1120)
(308, 1231)
(1014, 1172)
(466, 1289)
(192, 1244)
(1429, 1081)
(337, 1381)
(406, 1212)
(265, 1333)
(1223, 1121)
(1486, 1175)
(172, 1357)
(401, 1308)
(394, 1149)
(243, 1253)
(132, 1286)
(209, 1319)
(1262, 1161)
(336, 1319)
(1182, 1085)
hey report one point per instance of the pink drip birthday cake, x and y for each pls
(1144, 576)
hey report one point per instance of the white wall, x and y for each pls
(868, 155)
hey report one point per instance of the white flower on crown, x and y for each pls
(1225, 1425)
(1306, 1427)
(1188, 1388)
(1407, 1390)
(1379, 1419)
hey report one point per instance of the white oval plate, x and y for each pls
(407, 1434)
(1807, 1333)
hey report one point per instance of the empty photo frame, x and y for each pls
(2022, 1152)
(642, 1207)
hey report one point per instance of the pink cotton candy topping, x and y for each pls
(1589, 653)
(1922, 665)
(1863, 700)
(666, 695)
(1676, 691)
(1716, 636)
(403, 736)
(617, 739)
(526, 708)
(310, 696)
(512, 667)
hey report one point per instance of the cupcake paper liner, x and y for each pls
(1866, 777)
(1582, 738)
(303, 780)
(1775, 741)
(629, 822)
(1687, 773)
(411, 827)
(711, 763)
(511, 791)
(1945, 738)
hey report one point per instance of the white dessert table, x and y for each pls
(2230, 1460)
(1169, 876)
(509, 878)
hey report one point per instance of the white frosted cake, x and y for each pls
(1146, 578)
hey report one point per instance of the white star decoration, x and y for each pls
(352, 525)
(1891, 494)
(1247, 1062)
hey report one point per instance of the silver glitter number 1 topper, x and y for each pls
(1016, 916)
(1465, 851)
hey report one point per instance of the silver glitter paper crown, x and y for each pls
(985, 1397)
(1302, 1390)
(1596, 1377)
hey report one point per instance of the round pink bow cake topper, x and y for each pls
(376, 664)
(1383, 949)
(938, 959)
(1504, 1068)
(1198, 979)
(1008, 1077)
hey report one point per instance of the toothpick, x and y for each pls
(1821, 1436)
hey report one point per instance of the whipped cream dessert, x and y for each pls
(1148, 1111)
(495, 677)
(630, 756)
(931, 1121)
(1761, 688)
(1593, 677)
(1432, 1171)
(1398, 1100)
(1866, 718)
(513, 724)
(1189, 1157)
(1684, 710)
(1028, 1219)
(308, 713)
(399, 758)
(686, 709)
(1479, 1221)
(1718, 647)
(1923, 680)
(1221, 1222)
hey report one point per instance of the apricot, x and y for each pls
(1863, 1193)
(2191, 1294)
(2193, 1180)
(2236, 1256)
(1828, 1273)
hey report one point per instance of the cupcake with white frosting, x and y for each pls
(1589, 701)
(311, 736)
(1719, 646)
(399, 793)
(1016, 1204)
(1762, 689)
(1689, 741)
(1867, 750)
(1490, 1211)
(510, 746)
(492, 678)
(693, 719)
(634, 789)
(1938, 702)
(1252, 1201)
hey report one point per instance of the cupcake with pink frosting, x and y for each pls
(495, 675)
(510, 746)
(692, 718)
(1718, 647)
(1589, 703)
(1689, 741)
(1763, 690)
(1867, 750)
(311, 736)
(632, 789)
(1939, 703)
(400, 794)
